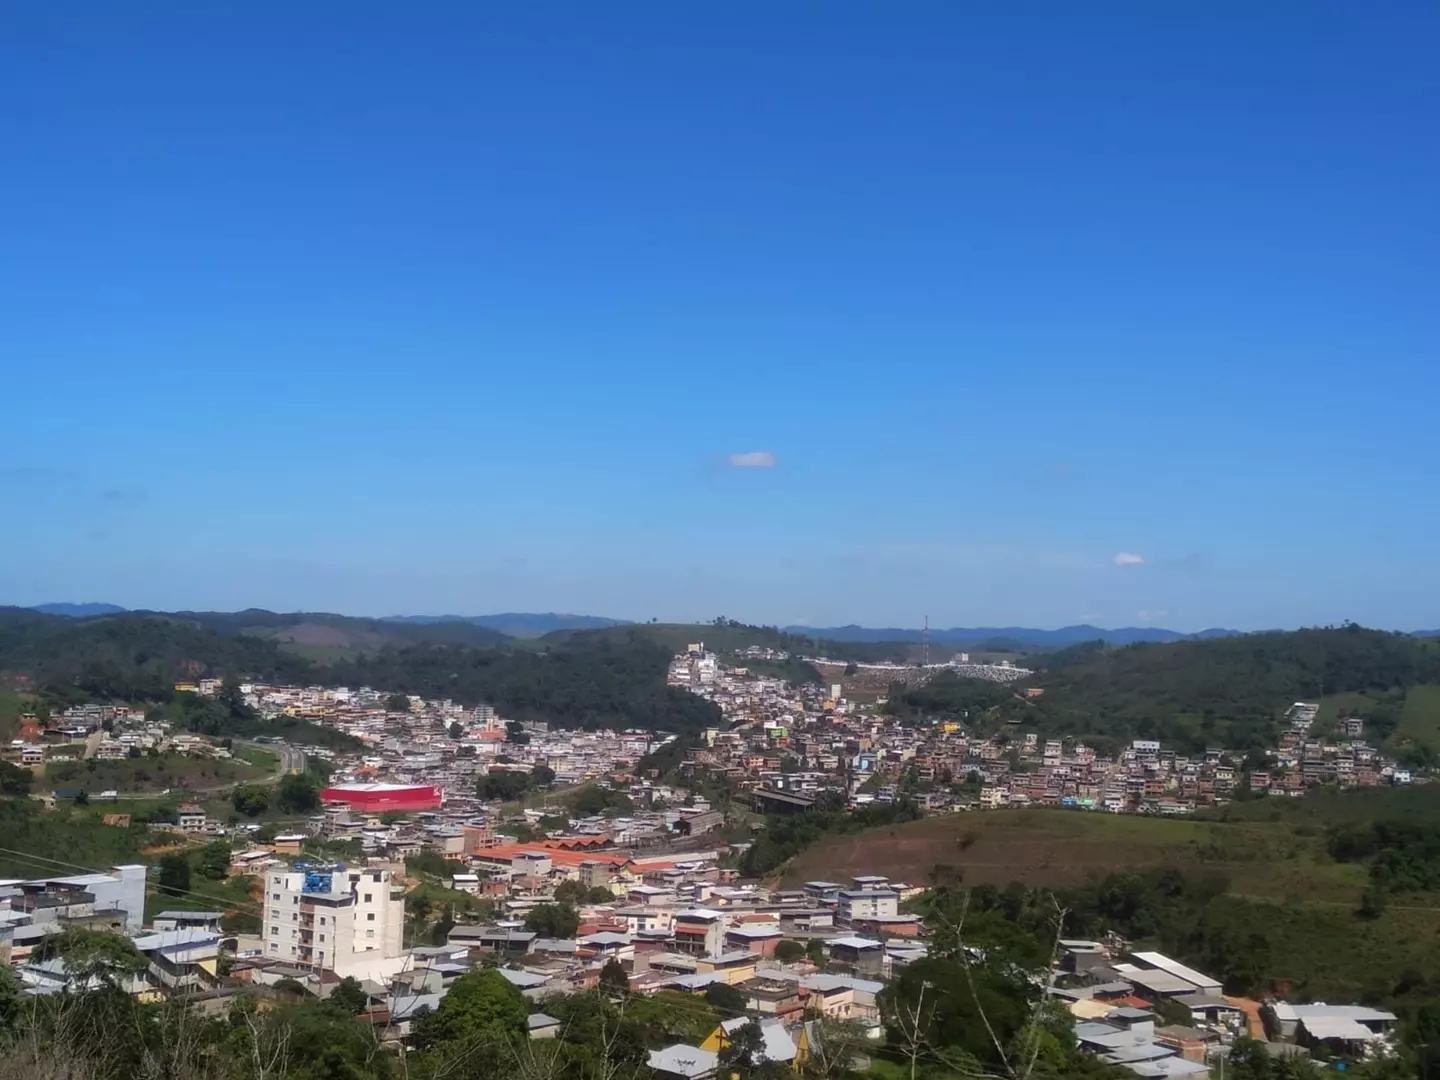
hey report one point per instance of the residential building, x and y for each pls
(333, 917)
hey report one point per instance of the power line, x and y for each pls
(250, 906)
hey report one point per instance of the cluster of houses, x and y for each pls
(1117, 997)
(809, 739)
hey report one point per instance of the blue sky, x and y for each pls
(385, 308)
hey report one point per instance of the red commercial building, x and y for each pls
(378, 798)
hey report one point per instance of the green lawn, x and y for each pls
(258, 756)
(147, 774)
(1420, 718)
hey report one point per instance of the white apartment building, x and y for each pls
(334, 917)
(867, 904)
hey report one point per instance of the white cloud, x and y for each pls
(753, 459)
(1128, 558)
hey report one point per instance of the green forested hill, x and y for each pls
(1192, 694)
(599, 680)
(610, 678)
(729, 636)
(130, 657)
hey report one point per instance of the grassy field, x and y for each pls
(1280, 880)
(174, 771)
(1420, 718)
(258, 756)
(1058, 847)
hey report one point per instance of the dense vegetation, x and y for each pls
(341, 631)
(785, 835)
(589, 680)
(1192, 694)
(602, 679)
(35, 839)
(1191, 918)
(130, 657)
(728, 636)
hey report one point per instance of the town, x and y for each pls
(566, 855)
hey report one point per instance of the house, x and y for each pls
(466, 883)
(862, 954)
(190, 817)
(682, 1062)
(699, 931)
(182, 960)
(778, 1046)
(754, 939)
(542, 1026)
(822, 892)
(853, 904)
(187, 920)
(772, 997)
(1312, 1024)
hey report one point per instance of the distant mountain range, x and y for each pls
(79, 611)
(1007, 636)
(517, 624)
(509, 624)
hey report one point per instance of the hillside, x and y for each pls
(1218, 692)
(730, 637)
(601, 679)
(129, 657)
(1270, 885)
(78, 611)
(516, 624)
(307, 632)
(591, 680)
(1006, 638)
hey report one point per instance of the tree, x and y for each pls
(569, 892)
(11, 1006)
(787, 952)
(398, 703)
(299, 794)
(456, 731)
(815, 952)
(542, 776)
(515, 733)
(174, 874)
(15, 780)
(349, 996)
(743, 1048)
(613, 979)
(503, 785)
(215, 861)
(252, 800)
(725, 998)
(553, 920)
(94, 954)
(480, 1004)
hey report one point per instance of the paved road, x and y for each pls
(290, 760)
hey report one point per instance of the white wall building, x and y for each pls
(867, 904)
(336, 918)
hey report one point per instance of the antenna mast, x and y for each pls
(925, 644)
